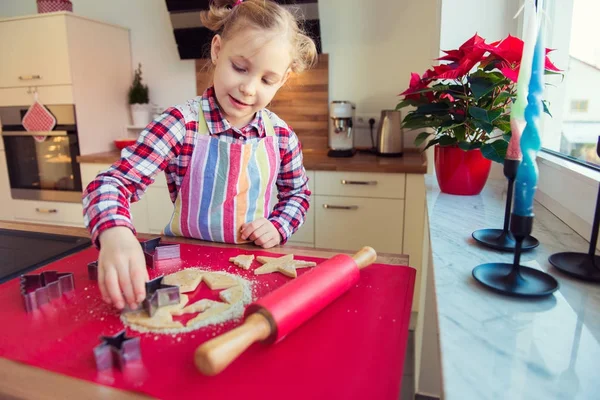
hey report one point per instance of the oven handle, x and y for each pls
(34, 133)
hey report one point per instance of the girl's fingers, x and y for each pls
(139, 276)
(259, 232)
(102, 285)
(127, 286)
(271, 243)
(112, 286)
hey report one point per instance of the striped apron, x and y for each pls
(226, 185)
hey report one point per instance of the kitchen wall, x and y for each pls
(373, 46)
(170, 79)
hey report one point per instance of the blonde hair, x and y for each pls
(226, 18)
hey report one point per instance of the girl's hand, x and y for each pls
(262, 232)
(121, 268)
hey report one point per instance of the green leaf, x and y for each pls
(433, 108)
(501, 98)
(507, 136)
(460, 132)
(431, 143)
(421, 138)
(447, 140)
(406, 103)
(495, 151)
(502, 124)
(486, 126)
(484, 115)
(480, 87)
(546, 110)
(469, 145)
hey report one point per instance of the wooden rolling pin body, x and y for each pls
(284, 309)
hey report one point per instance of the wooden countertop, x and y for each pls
(21, 381)
(412, 162)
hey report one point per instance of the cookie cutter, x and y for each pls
(117, 350)
(40, 289)
(93, 270)
(155, 251)
(159, 295)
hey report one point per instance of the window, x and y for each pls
(574, 100)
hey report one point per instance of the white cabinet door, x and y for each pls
(360, 184)
(34, 52)
(6, 210)
(349, 223)
(139, 210)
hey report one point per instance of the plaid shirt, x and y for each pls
(167, 145)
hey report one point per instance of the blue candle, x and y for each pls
(527, 174)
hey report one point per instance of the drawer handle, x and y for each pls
(345, 182)
(46, 210)
(29, 77)
(334, 207)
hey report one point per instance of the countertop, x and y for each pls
(497, 347)
(16, 379)
(412, 162)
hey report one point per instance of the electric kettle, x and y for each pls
(390, 137)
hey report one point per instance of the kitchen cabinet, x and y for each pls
(6, 208)
(69, 59)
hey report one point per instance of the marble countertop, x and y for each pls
(497, 347)
(412, 162)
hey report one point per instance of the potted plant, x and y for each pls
(465, 106)
(141, 111)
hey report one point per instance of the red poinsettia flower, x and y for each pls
(506, 54)
(463, 59)
(417, 84)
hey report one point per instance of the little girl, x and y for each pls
(221, 152)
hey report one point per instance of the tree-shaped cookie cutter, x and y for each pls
(155, 251)
(40, 289)
(117, 351)
(159, 295)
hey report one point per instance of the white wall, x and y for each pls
(582, 82)
(170, 80)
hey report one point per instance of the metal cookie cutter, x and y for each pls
(93, 270)
(158, 295)
(117, 350)
(154, 251)
(40, 289)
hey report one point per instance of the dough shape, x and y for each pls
(285, 265)
(243, 260)
(218, 281)
(187, 279)
(162, 319)
(199, 306)
(232, 295)
(212, 311)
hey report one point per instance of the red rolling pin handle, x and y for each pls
(281, 311)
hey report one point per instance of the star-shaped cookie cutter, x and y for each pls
(93, 270)
(155, 251)
(117, 350)
(159, 295)
(40, 289)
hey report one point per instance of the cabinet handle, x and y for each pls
(345, 182)
(334, 207)
(46, 210)
(29, 77)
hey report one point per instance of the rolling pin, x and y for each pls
(272, 317)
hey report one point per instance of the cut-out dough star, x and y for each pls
(187, 279)
(243, 260)
(285, 265)
(232, 295)
(162, 319)
(218, 281)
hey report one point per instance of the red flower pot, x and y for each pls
(461, 172)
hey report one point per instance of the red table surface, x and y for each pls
(353, 349)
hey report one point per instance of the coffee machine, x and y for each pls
(341, 134)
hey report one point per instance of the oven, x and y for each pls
(42, 165)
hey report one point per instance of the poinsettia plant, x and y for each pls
(466, 101)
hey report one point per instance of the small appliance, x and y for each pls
(390, 137)
(341, 135)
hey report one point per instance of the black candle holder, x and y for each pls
(581, 265)
(502, 239)
(515, 279)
